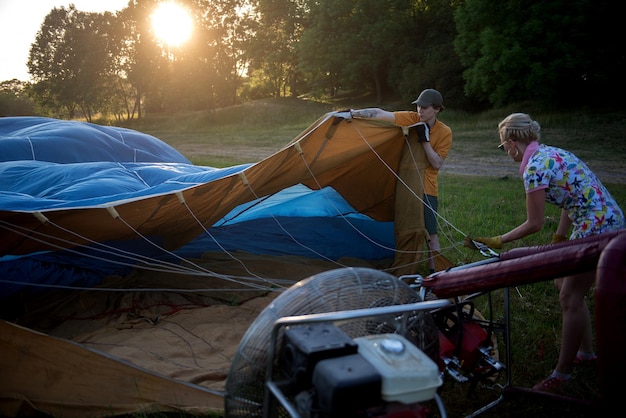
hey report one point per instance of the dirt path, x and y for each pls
(459, 161)
(500, 166)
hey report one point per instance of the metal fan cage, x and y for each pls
(337, 290)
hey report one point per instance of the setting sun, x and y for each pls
(171, 23)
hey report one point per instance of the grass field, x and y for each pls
(487, 200)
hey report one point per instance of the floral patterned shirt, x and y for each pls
(572, 186)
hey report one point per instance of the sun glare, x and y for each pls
(171, 23)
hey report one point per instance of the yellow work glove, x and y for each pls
(558, 238)
(467, 242)
(493, 242)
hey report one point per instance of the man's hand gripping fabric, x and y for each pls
(423, 132)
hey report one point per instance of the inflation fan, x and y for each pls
(343, 289)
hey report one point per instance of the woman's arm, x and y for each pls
(564, 224)
(535, 211)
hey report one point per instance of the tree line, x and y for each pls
(479, 53)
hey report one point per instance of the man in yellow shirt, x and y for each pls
(436, 140)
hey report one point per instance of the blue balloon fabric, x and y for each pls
(50, 164)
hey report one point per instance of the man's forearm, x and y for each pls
(373, 113)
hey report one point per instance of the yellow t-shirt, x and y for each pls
(440, 140)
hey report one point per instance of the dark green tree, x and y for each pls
(274, 28)
(71, 61)
(201, 73)
(142, 62)
(386, 46)
(351, 44)
(550, 51)
(14, 99)
(223, 28)
(426, 58)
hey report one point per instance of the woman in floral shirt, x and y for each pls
(557, 176)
